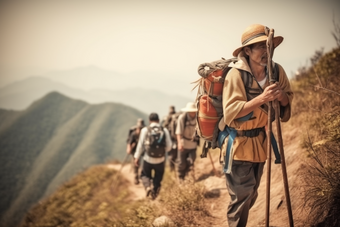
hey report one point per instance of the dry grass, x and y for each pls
(317, 106)
(184, 203)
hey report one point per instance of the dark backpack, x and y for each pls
(131, 130)
(154, 143)
(173, 125)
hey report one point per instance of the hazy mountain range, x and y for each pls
(52, 140)
(148, 92)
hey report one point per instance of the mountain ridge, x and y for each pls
(53, 139)
(19, 95)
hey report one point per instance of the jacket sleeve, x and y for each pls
(139, 149)
(180, 125)
(285, 85)
(168, 142)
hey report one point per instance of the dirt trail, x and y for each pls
(218, 199)
(137, 191)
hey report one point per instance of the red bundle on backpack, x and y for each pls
(207, 118)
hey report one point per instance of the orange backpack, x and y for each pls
(209, 99)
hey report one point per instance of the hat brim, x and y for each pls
(277, 41)
(189, 110)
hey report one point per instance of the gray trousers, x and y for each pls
(186, 159)
(242, 183)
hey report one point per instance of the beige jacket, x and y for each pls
(234, 98)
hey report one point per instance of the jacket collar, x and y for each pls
(242, 63)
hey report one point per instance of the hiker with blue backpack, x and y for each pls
(154, 142)
(242, 135)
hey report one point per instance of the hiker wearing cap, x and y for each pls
(132, 142)
(154, 142)
(169, 123)
(248, 116)
(186, 141)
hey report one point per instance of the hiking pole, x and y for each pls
(283, 163)
(212, 163)
(269, 127)
(270, 51)
(174, 163)
(124, 161)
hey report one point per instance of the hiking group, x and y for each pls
(171, 139)
(234, 119)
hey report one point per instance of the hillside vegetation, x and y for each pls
(51, 141)
(317, 105)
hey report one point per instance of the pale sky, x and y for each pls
(176, 36)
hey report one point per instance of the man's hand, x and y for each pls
(179, 143)
(180, 146)
(273, 92)
(128, 149)
(136, 161)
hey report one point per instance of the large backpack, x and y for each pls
(140, 123)
(131, 130)
(209, 98)
(154, 143)
(173, 125)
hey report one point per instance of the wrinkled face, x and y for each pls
(257, 53)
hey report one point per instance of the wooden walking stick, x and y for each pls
(212, 163)
(276, 105)
(124, 162)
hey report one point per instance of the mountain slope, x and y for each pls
(52, 140)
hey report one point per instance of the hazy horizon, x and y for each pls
(166, 38)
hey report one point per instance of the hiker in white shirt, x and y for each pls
(154, 155)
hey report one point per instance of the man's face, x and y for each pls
(258, 53)
(192, 114)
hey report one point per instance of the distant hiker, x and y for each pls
(245, 118)
(132, 142)
(170, 123)
(155, 141)
(186, 143)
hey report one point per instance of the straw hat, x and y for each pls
(256, 33)
(190, 107)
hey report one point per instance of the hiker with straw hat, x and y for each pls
(246, 115)
(186, 142)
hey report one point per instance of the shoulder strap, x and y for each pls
(246, 78)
